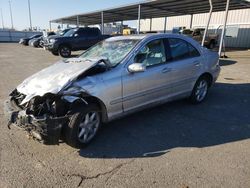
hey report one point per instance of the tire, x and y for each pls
(76, 133)
(200, 90)
(211, 45)
(55, 53)
(64, 51)
(35, 45)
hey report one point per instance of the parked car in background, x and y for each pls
(39, 41)
(35, 42)
(73, 40)
(177, 30)
(197, 34)
(25, 41)
(46, 35)
(117, 76)
(60, 33)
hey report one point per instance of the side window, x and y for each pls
(152, 53)
(82, 33)
(93, 33)
(179, 49)
(193, 52)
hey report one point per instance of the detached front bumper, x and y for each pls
(45, 129)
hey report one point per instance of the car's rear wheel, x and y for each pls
(64, 51)
(211, 45)
(83, 126)
(200, 90)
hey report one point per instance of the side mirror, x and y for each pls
(136, 67)
(76, 35)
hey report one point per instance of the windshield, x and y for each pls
(63, 32)
(113, 50)
(70, 33)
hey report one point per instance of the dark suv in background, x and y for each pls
(73, 40)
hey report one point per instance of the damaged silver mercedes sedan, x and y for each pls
(72, 98)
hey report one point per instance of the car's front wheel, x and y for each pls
(83, 126)
(64, 51)
(211, 45)
(200, 90)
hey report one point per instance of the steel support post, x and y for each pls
(208, 22)
(139, 20)
(150, 25)
(30, 15)
(191, 21)
(50, 25)
(102, 21)
(224, 28)
(77, 21)
(121, 30)
(165, 24)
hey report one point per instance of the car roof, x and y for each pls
(152, 36)
(144, 36)
(126, 37)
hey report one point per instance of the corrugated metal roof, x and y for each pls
(152, 9)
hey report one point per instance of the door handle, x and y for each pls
(165, 70)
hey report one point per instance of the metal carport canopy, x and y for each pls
(151, 9)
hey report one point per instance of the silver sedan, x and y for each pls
(116, 77)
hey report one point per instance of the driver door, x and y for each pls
(152, 85)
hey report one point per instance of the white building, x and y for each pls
(238, 25)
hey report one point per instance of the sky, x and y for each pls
(44, 10)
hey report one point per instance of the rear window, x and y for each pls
(93, 32)
(181, 49)
(193, 52)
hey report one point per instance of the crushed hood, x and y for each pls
(53, 78)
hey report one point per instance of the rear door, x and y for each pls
(185, 65)
(93, 36)
(81, 41)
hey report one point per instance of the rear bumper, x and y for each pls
(45, 129)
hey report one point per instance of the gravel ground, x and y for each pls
(173, 145)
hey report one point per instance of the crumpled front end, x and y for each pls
(42, 117)
(45, 101)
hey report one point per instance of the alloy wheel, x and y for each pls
(201, 90)
(88, 127)
(65, 51)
